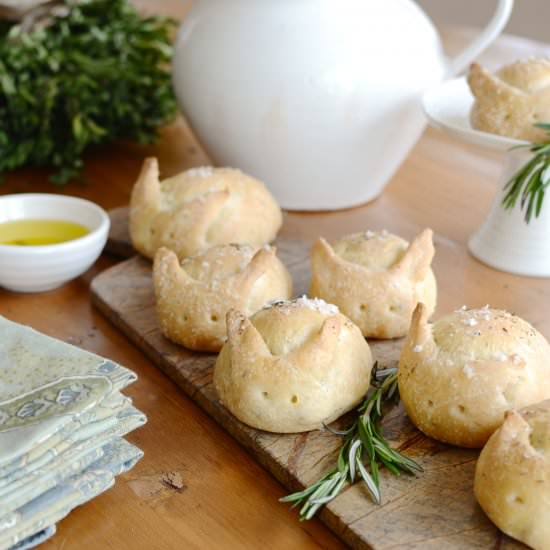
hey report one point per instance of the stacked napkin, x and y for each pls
(62, 422)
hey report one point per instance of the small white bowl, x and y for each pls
(41, 268)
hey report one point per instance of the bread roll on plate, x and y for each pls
(194, 296)
(459, 375)
(376, 279)
(200, 208)
(292, 366)
(511, 101)
(512, 480)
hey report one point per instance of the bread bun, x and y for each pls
(511, 101)
(292, 366)
(460, 375)
(194, 296)
(512, 480)
(376, 279)
(200, 208)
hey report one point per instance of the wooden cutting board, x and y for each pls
(435, 509)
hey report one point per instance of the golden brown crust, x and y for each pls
(200, 208)
(512, 480)
(376, 279)
(292, 366)
(193, 298)
(460, 375)
(511, 101)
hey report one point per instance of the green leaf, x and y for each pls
(372, 486)
(364, 436)
(100, 74)
(530, 181)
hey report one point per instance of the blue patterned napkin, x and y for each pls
(118, 457)
(62, 419)
(45, 384)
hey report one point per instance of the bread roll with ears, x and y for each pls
(194, 296)
(459, 375)
(512, 478)
(200, 208)
(292, 366)
(511, 101)
(376, 279)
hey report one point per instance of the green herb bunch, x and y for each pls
(96, 73)
(363, 442)
(529, 184)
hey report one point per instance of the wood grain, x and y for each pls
(229, 500)
(411, 513)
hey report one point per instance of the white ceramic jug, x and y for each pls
(318, 98)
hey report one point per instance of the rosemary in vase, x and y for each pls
(529, 184)
(363, 442)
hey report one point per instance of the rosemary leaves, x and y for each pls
(363, 442)
(529, 184)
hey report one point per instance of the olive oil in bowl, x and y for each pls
(31, 232)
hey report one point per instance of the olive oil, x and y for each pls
(40, 232)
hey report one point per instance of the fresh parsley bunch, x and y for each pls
(97, 72)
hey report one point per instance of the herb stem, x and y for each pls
(530, 182)
(363, 442)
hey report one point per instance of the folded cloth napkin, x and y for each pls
(83, 426)
(34, 540)
(62, 419)
(44, 385)
(70, 462)
(118, 457)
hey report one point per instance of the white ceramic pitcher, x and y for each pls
(318, 98)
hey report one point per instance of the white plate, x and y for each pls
(448, 107)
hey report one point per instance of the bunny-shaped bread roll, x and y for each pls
(512, 480)
(376, 279)
(511, 101)
(292, 366)
(200, 208)
(193, 297)
(459, 375)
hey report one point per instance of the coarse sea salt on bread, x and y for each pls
(292, 366)
(459, 375)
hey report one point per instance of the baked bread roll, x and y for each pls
(194, 296)
(292, 366)
(511, 101)
(376, 279)
(200, 208)
(512, 480)
(460, 375)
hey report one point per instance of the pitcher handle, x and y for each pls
(488, 35)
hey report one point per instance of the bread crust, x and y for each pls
(292, 367)
(511, 101)
(200, 208)
(512, 479)
(376, 279)
(194, 296)
(459, 376)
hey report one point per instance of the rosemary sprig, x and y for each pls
(363, 442)
(529, 184)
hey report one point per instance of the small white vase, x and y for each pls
(505, 241)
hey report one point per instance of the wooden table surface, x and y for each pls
(227, 499)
